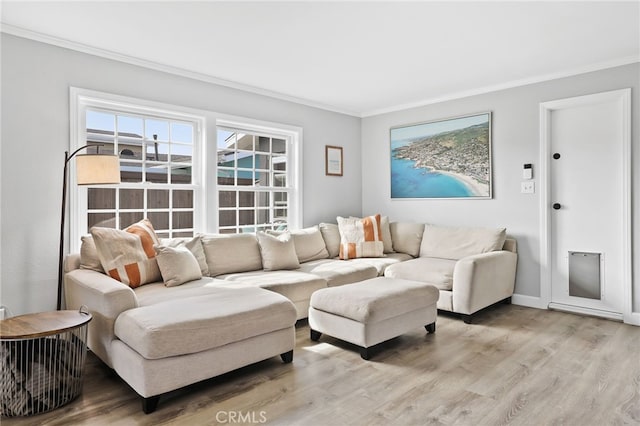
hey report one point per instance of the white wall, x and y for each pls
(515, 142)
(35, 81)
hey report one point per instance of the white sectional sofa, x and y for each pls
(244, 307)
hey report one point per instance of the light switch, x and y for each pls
(527, 187)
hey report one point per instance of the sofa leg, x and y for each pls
(507, 301)
(431, 328)
(467, 318)
(315, 335)
(150, 404)
(365, 354)
(287, 357)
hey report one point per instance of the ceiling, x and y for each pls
(360, 58)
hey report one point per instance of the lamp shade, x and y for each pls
(95, 169)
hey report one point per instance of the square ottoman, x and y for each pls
(373, 311)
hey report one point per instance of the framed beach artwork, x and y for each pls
(442, 159)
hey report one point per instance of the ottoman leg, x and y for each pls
(150, 404)
(431, 328)
(287, 357)
(315, 335)
(468, 319)
(365, 354)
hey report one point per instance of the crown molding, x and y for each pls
(108, 54)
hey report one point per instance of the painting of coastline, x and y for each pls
(442, 159)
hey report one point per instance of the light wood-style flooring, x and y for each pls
(514, 366)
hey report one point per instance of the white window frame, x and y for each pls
(83, 99)
(293, 137)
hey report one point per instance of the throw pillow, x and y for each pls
(458, 242)
(278, 251)
(89, 258)
(128, 256)
(360, 237)
(331, 236)
(194, 245)
(386, 233)
(407, 237)
(177, 265)
(308, 242)
(231, 253)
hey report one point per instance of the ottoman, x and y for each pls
(373, 311)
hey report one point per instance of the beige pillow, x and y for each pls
(331, 236)
(128, 256)
(308, 242)
(457, 242)
(278, 251)
(194, 245)
(89, 258)
(177, 265)
(406, 237)
(360, 237)
(230, 253)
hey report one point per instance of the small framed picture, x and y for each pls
(333, 160)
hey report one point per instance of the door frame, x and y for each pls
(546, 108)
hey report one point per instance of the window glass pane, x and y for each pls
(243, 141)
(262, 216)
(226, 139)
(263, 144)
(279, 180)
(132, 199)
(130, 172)
(157, 130)
(226, 177)
(158, 198)
(181, 153)
(101, 198)
(245, 178)
(98, 120)
(160, 220)
(183, 234)
(163, 234)
(278, 146)
(279, 215)
(104, 220)
(226, 158)
(245, 159)
(183, 198)
(156, 173)
(262, 179)
(129, 127)
(157, 151)
(262, 161)
(130, 152)
(227, 217)
(228, 231)
(246, 217)
(180, 174)
(181, 132)
(227, 198)
(262, 199)
(246, 199)
(129, 218)
(279, 163)
(182, 220)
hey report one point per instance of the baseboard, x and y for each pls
(586, 311)
(528, 301)
(632, 319)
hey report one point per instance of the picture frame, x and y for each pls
(442, 159)
(333, 160)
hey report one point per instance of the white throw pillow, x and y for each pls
(457, 242)
(308, 242)
(194, 245)
(177, 265)
(231, 253)
(278, 251)
(331, 236)
(89, 258)
(360, 237)
(406, 237)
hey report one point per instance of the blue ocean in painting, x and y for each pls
(410, 182)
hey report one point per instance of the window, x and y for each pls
(256, 179)
(159, 153)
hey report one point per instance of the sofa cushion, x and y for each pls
(229, 253)
(278, 251)
(430, 270)
(331, 236)
(339, 272)
(194, 245)
(381, 263)
(128, 256)
(406, 237)
(457, 242)
(294, 285)
(375, 300)
(196, 324)
(177, 265)
(386, 234)
(308, 242)
(360, 237)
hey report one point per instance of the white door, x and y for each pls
(587, 203)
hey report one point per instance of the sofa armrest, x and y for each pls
(105, 299)
(482, 280)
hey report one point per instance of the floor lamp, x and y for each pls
(92, 169)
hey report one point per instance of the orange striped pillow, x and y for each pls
(360, 237)
(128, 256)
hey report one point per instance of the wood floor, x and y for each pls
(515, 366)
